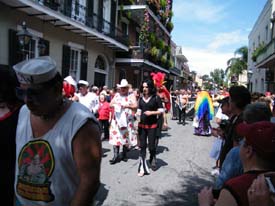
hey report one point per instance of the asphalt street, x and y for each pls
(184, 167)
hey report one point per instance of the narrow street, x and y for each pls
(184, 166)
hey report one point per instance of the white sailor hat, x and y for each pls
(83, 82)
(36, 71)
(70, 80)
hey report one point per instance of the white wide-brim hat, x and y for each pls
(123, 83)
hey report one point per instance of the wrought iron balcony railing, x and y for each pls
(83, 15)
(268, 50)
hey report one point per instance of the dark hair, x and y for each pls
(256, 112)
(8, 83)
(240, 96)
(151, 86)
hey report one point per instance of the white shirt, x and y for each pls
(220, 115)
(90, 100)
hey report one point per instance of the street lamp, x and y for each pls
(24, 36)
(249, 76)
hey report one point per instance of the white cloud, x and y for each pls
(203, 61)
(199, 10)
(230, 38)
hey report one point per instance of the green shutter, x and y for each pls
(15, 55)
(84, 65)
(45, 47)
(66, 60)
(68, 8)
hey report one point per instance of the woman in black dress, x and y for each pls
(150, 107)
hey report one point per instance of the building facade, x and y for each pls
(261, 51)
(148, 24)
(80, 35)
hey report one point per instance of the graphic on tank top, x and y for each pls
(35, 165)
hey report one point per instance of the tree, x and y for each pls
(218, 76)
(237, 64)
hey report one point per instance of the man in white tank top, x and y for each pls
(58, 147)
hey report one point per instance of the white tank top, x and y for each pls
(45, 169)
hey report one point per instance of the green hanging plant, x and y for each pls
(170, 26)
(259, 50)
(154, 52)
(152, 39)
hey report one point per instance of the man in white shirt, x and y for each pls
(88, 99)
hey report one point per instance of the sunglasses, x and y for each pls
(37, 95)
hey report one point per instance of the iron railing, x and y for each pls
(81, 14)
(269, 50)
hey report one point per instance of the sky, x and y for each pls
(210, 31)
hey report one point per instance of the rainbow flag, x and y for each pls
(204, 103)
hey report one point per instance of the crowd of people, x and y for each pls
(54, 128)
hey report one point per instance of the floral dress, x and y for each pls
(122, 130)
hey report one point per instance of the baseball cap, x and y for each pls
(36, 71)
(223, 101)
(261, 136)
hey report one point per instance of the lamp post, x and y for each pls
(24, 37)
(249, 76)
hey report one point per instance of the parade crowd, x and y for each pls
(53, 129)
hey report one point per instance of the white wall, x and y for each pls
(256, 36)
(9, 19)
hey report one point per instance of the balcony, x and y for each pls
(141, 56)
(136, 9)
(74, 17)
(266, 58)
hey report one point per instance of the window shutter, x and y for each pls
(84, 65)
(68, 8)
(113, 17)
(44, 51)
(15, 55)
(90, 11)
(66, 60)
(100, 16)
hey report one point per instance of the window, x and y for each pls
(124, 28)
(101, 71)
(122, 74)
(266, 33)
(31, 50)
(78, 10)
(100, 63)
(75, 64)
(106, 15)
(259, 39)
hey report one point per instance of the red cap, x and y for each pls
(261, 136)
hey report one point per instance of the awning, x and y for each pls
(267, 63)
(175, 71)
(140, 62)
